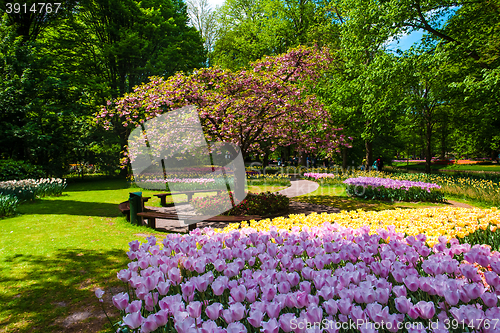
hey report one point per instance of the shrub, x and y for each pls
(10, 170)
(8, 205)
(261, 204)
(254, 204)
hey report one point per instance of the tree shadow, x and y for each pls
(56, 293)
(103, 185)
(70, 207)
(346, 203)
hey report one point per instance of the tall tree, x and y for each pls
(204, 18)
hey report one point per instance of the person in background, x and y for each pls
(380, 163)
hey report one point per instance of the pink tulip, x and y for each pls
(133, 320)
(161, 318)
(403, 304)
(285, 322)
(238, 311)
(255, 318)
(163, 287)
(194, 309)
(134, 306)
(489, 299)
(426, 309)
(214, 310)
(238, 293)
(149, 324)
(120, 301)
(270, 326)
(273, 309)
(236, 328)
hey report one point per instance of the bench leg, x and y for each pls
(164, 201)
(192, 226)
(152, 223)
(190, 196)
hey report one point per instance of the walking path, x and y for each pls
(299, 187)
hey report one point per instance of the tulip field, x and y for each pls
(399, 270)
(403, 270)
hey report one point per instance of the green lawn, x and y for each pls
(58, 250)
(452, 167)
(335, 196)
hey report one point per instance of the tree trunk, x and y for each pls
(302, 159)
(369, 153)
(344, 158)
(428, 151)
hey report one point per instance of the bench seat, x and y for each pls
(163, 196)
(151, 216)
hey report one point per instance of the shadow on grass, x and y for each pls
(71, 207)
(104, 185)
(348, 203)
(56, 293)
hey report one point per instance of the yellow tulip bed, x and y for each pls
(474, 226)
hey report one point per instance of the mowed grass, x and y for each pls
(451, 167)
(335, 196)
(58, 250)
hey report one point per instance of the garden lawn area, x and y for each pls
(452, 167)
(335, 196)
(58, 250)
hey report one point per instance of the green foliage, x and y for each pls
(10, 170)
(8, 205)
(251, 29)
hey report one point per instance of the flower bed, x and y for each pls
(391, 189)
(254, 204)
(260, 179)
(474, 226)
(328, 277)
(29, 189)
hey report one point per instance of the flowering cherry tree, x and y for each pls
(268, 103)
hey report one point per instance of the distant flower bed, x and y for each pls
(261, 179)
(339, 176)
(12, 192)
(254, 204)
(391, 189)
(29, 189)
(328, 277)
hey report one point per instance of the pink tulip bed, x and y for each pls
(392, 189)
(326, 279)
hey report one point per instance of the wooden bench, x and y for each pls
(163, 196)
(151, 217)
(124, 207)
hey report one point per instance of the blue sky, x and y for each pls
(404, 42)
